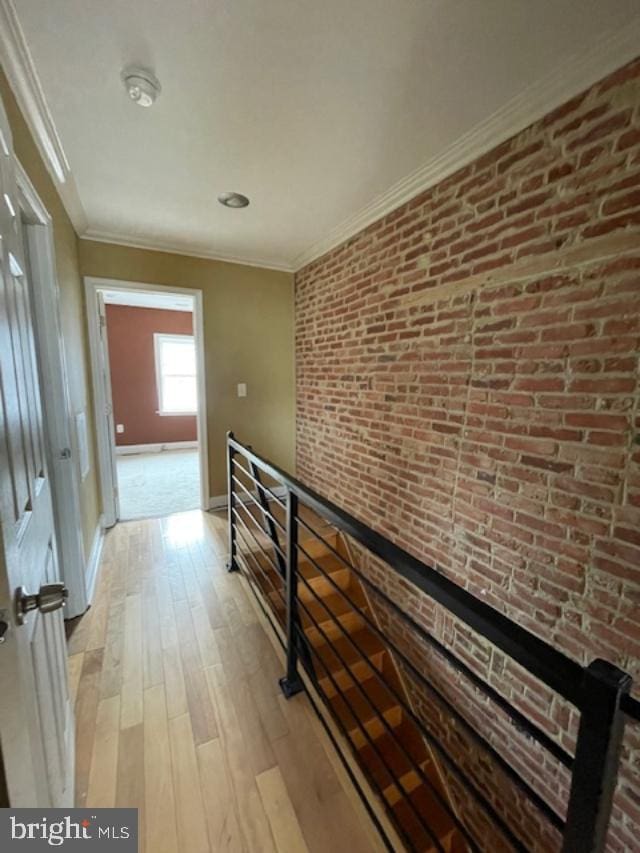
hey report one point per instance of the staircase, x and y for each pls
(330, 634)
(359, 688)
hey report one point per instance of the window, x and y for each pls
(176, 374)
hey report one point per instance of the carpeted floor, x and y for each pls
(153, 484)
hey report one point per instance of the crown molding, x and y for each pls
(99, 236)
(573, 76)
(19, 67)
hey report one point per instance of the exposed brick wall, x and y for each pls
(468, 384)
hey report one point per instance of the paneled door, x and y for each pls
(36, 719)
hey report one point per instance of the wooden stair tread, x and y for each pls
(365, 640)
(434, 816)
(409, 782)
(398, 761)
(334, 603)
(353, 697)
(317, 548)
(329, 563)
(394, 755)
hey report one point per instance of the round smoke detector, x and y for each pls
(142, 85)
(233, 200)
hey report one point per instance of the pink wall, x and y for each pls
(133, 377)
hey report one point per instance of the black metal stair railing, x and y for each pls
(265, 543)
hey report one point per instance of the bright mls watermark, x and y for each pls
(35, 830)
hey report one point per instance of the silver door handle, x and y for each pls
(50, 597)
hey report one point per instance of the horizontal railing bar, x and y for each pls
(248, 529)
(352, 776)
(257, 503)
(256, 525)
(279, 591)
(371, 741)
(631, 707)
(268, 611)
(380, 678)
(280, 501)
(410, 713)
(546, 663)
(520, 721)
(513, 775)
(351, 711)
(259, 598)
(357, 721)
(262, 572)
(345, 733)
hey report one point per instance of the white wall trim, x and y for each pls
(157, 245)
(130, 449)
(220, 501)
(577, 73)
(21, 72)
(103, 409)
(106, 445)
(93, 562)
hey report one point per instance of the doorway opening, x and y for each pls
(148, 371)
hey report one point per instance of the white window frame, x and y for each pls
(158, 338)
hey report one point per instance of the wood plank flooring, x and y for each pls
(179, 713)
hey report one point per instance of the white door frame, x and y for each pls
(63, 467)
(106, 442)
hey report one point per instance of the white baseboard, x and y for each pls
(126, 449)
(220, 501)
(91, 572)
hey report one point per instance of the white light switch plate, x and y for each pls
(119, 428)
(242, 389)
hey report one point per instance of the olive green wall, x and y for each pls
(248, 335)
(72, 315)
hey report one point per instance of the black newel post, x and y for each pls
(232, 565)
(291, 683)
(595, 768)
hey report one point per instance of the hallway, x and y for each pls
(178, 709)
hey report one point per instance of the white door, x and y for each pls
(64, 468)
(36, 720)
(112, 512)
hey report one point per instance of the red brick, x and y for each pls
(597, 420)
(624, 202)
(488, 430)
(547, 464)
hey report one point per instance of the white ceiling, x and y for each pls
(325, 113)
(140, 299)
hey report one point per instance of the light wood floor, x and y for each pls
(178, 710)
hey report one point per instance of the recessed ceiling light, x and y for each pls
(141, 84)
(233, 200)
